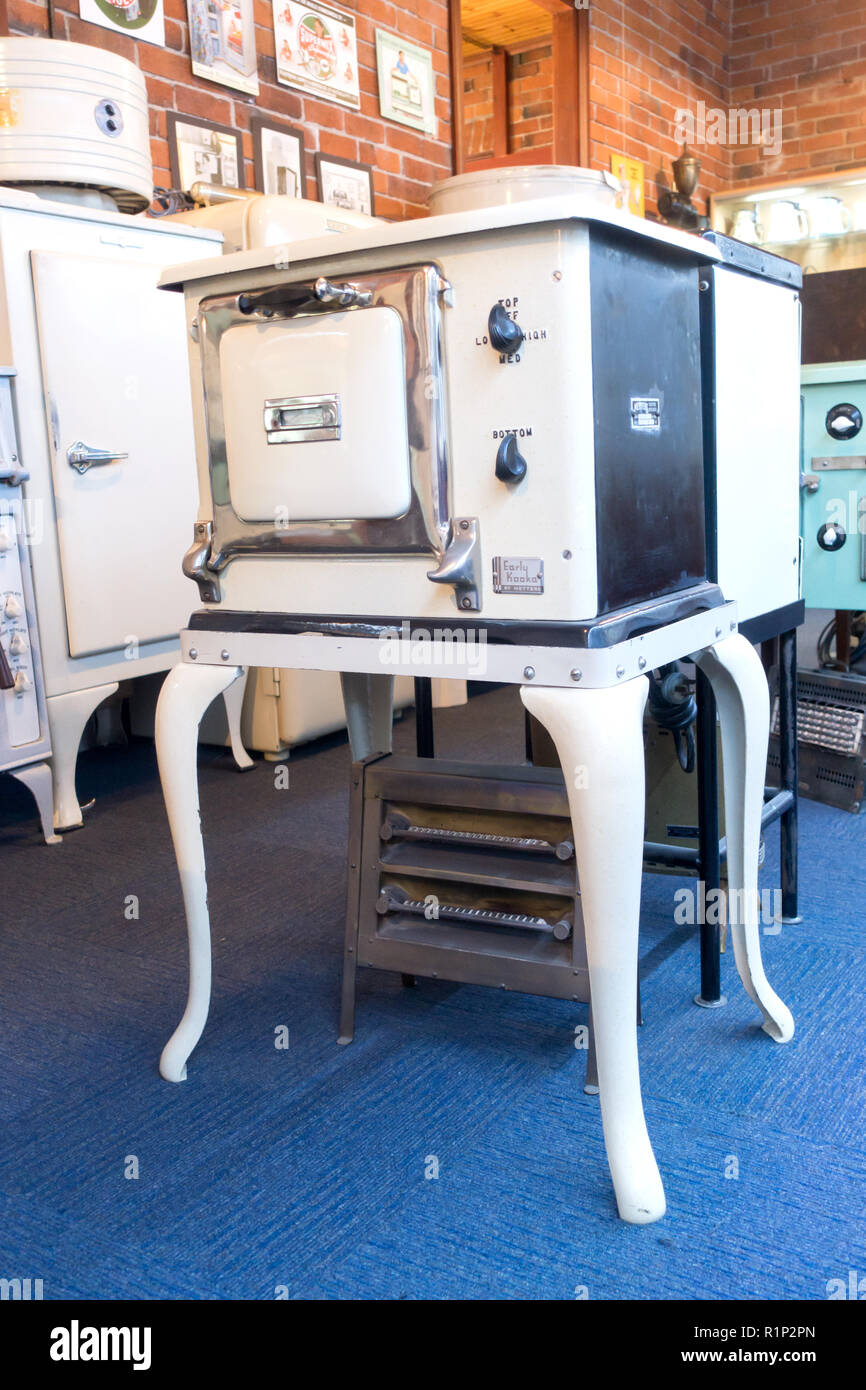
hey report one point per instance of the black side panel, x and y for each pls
(649, 481)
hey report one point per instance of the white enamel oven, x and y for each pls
(105, 430)
(490, 413)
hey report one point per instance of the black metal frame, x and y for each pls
(706, 861)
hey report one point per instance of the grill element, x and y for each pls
(396, 900)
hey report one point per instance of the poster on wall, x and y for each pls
(143, 19)
(407, 84)
(201, 151)
(222, 40)
(278, 156)
(630, 173)
(344, 183)
(317, 51)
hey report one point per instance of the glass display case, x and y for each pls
(818, 220)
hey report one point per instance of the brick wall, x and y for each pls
(809, 60)
(646, 62)
(406, 163)
(530, 98)
(806, 58)
(477, 108)
(529, 75)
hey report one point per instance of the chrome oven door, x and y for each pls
(325, 415)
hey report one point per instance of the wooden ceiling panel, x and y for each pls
(502, 24)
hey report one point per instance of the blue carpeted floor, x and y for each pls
(304, 1168)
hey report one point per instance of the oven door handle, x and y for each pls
(323, 294)
(80, 456)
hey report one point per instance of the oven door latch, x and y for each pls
(461, 563)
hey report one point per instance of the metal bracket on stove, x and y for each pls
(461, 563)
(195, 562)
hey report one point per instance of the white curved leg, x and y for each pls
(186, 693)
(739, 684)
(233, 699)
(369, 704)
(599, 738)
(67, 716)
(37, 779)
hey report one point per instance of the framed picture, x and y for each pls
(407, 85)
(222, 40)
(142, 19)
(278, 152)
(630, 173)
(317, 51)
(201, 150)
(345, 184)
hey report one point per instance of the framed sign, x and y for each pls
(222, 41)
(143, 19)
(317, 51)
(278, 154)
(345, 184)
(630, 173)
(201, 150)
(407, 85)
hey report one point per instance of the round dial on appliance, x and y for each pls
(13, 607)
(505, 335)
(18, 644)
(22, 681)
(844, 421)
(832, 536)
(6, 541)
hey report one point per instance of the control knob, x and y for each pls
(13, 607)
(505, 335)
(510, 463)
(18, 644)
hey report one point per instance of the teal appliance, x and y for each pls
(833, 485)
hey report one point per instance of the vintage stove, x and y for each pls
(506, 449)
(833, 485)
(483, 429)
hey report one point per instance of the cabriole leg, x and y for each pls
(599, 738)
(734, 670)
(186, 693)
(67, 716)
(37, 779)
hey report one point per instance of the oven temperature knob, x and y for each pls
(510, 463)
(22, 681)
(14, 607)
(505, 335)
(18, 644)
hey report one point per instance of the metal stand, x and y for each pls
(596, 725)
(707, 860)
(788, 774)
(709, 855)
(424, 717)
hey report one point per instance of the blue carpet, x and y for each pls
(304, 1168)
